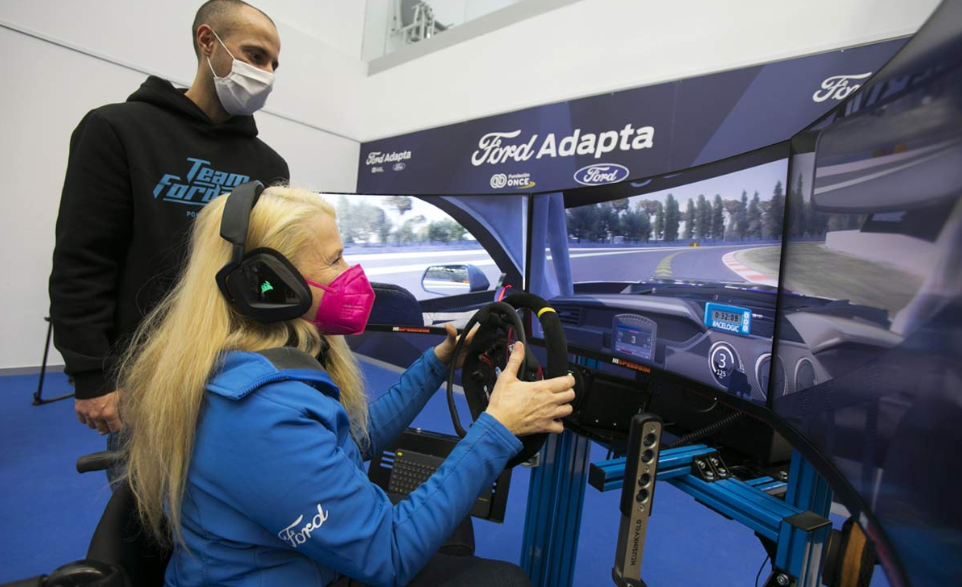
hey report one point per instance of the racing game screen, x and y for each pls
(682, 279)
(871, 307)
(860, 262)
(438, 263)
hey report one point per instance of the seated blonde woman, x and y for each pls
(253, 473)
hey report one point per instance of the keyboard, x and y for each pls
(410, 470)
(415, 455)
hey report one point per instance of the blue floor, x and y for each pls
(48, 511)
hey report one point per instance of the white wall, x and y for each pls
(48, 89)
(317, 82)
(595, 46)
(336, 23)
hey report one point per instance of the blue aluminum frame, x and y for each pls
(556, 497)
(556, 500)
(801, 553)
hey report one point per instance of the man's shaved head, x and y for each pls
(222, 16)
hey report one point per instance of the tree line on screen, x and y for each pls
(718, 219)
(702, 219)
(805, 221)
(365, 223)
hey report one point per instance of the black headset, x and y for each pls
(489, 350)
(261, 284)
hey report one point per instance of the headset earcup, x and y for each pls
(266, 287)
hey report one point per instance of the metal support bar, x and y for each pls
(739, 501)
(38, 395)
(736, 499)
(555, 503)
(802, 542)
(608, 475)
(767, 484)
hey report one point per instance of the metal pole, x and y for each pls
(37, 395)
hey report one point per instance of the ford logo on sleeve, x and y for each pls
(601, 173)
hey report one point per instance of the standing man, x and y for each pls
(137, 175)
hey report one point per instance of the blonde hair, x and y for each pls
(180, 343)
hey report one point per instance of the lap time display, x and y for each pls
(728, 318)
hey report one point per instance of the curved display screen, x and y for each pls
(680, 276)
(871, 303)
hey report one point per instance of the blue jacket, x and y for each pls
(276, 493)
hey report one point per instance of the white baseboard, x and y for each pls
(29, 370)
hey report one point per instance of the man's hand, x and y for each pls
(445, 350)
(101, 412)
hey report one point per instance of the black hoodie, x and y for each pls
(138, 173)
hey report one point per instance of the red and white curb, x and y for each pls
(746, 272)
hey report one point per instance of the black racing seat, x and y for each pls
(121, 540)
(82, 573)
(395, 305)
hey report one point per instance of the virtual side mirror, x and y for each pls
(453, 279)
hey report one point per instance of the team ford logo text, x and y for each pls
(399, 167)
(601, 173)
(838, 87)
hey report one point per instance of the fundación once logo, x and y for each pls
(838, 87)
(601, 173)
(520, 181)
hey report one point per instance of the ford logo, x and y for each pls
(399, 166)
(601, 173)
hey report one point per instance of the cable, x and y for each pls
(706, 431)
(455, 420)
(758, 576)
(708, 409)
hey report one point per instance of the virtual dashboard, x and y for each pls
(727, 346)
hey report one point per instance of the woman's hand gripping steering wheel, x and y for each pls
(530, 407)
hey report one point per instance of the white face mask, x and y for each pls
(244, 90)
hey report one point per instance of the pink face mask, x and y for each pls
(346, 304)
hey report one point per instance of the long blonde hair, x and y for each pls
(180, 343)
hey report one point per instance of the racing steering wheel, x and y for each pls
(488, 352)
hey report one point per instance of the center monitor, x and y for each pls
(677, 273)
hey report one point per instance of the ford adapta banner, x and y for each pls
(630, 134)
